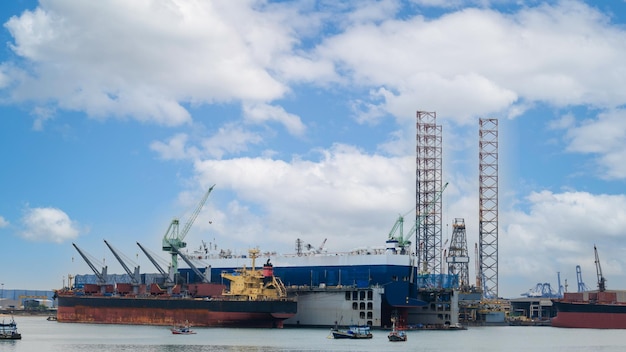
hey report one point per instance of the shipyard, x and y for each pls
(270, 175)
(411, 281)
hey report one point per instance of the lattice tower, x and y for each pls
(428, 183)
(458, 256)
(488, 206)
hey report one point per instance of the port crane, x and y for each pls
(101, 275)
(579, 278)
(168, 276)
(135, 277)
(397, 231)
(173, 240)
(206, 277)
(601, 279)
(542, 290)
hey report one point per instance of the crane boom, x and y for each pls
(601, 279)
(204, 277)
(168, 276)
(398, 227)
(154, 262)
(135, 278)
(102, 276)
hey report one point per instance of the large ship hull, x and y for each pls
(320, 282)
(173, 311)
(589, 315)
(593, 310)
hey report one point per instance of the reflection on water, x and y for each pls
(169, 348)
(38, 334)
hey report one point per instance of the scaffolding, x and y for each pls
(428, 184)
(458, 256)
(488, 207)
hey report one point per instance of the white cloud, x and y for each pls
(227, 140)
(466, 63)
(557, 233)
(142, 60)
(48, 225)
(174, 148)
(3, 222)
(605, 136)
(346, 196)
(258, 113)
(477, 61)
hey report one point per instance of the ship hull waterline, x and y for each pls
(173, 311)
(590, 316)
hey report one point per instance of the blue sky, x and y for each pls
(116, 116)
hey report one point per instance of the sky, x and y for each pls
(117, 116)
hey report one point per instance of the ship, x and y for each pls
(363, 286)
(8, 331)
(597, 309)
(366, 285)
(254, 298)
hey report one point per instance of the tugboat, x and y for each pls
(9, 331)
(396, 334)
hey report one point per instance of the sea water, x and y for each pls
(39, 334)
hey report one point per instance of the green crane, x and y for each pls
(173, 240)
(397, 231)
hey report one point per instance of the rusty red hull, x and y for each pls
(589, 315)
(172, 311)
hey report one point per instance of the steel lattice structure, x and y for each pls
(428, 184)
(488, 207)
(458, 256)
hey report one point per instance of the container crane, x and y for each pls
(397, 231)
(173, 240)
(542, 290)
(101, 275)
(135, 277)
(601, 279)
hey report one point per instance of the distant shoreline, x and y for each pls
(22, 312)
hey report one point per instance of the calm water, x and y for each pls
(38, 334)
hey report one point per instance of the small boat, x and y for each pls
(396, 334)
(353, 332)
(9, 331)
(52, 318)
(182, 330)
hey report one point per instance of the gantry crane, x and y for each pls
(101, 275)
(173, 240)
(135, 277)
(397, 231)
